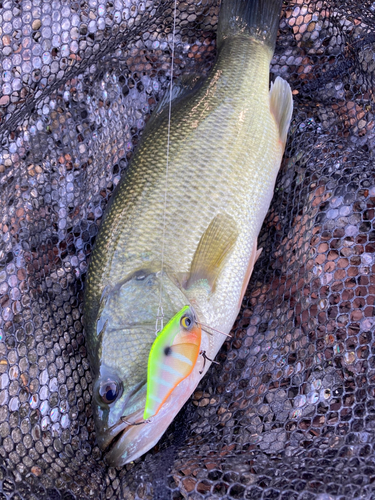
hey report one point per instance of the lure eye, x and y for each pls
(186, 322)
(109, 392)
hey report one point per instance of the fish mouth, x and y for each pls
(132, 436)
(128, 440)
(111, 437)
(111, 443)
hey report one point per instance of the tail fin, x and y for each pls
(258, 19)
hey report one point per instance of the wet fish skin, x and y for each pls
(226, 143)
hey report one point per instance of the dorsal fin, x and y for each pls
(281, 105)
(215, 245)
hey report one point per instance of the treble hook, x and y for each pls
(123, 419)
(205, 357)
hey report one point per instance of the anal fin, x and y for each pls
(214, 247)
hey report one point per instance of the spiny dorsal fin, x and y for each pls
(281, 105)
(215, 245)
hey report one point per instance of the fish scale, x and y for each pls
(226, 144)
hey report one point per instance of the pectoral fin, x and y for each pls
(215, 245)
(254, 256)
(281, 105)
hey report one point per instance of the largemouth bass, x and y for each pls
(188, 236)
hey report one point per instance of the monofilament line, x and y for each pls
(160, 313)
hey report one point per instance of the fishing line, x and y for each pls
(160, 313)
(214, 329)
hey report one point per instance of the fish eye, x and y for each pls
(186, 322)
(109, 391)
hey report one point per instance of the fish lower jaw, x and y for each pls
(107, 450)
(113, 435)
(134, 440)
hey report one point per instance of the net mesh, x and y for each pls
(290, 412)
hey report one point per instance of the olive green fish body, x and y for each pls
(226, 143)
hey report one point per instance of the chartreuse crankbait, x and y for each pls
(172, 358)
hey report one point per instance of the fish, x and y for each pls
(180, 231)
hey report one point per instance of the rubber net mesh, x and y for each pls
(290, 411)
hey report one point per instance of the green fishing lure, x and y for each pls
(172, 358)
